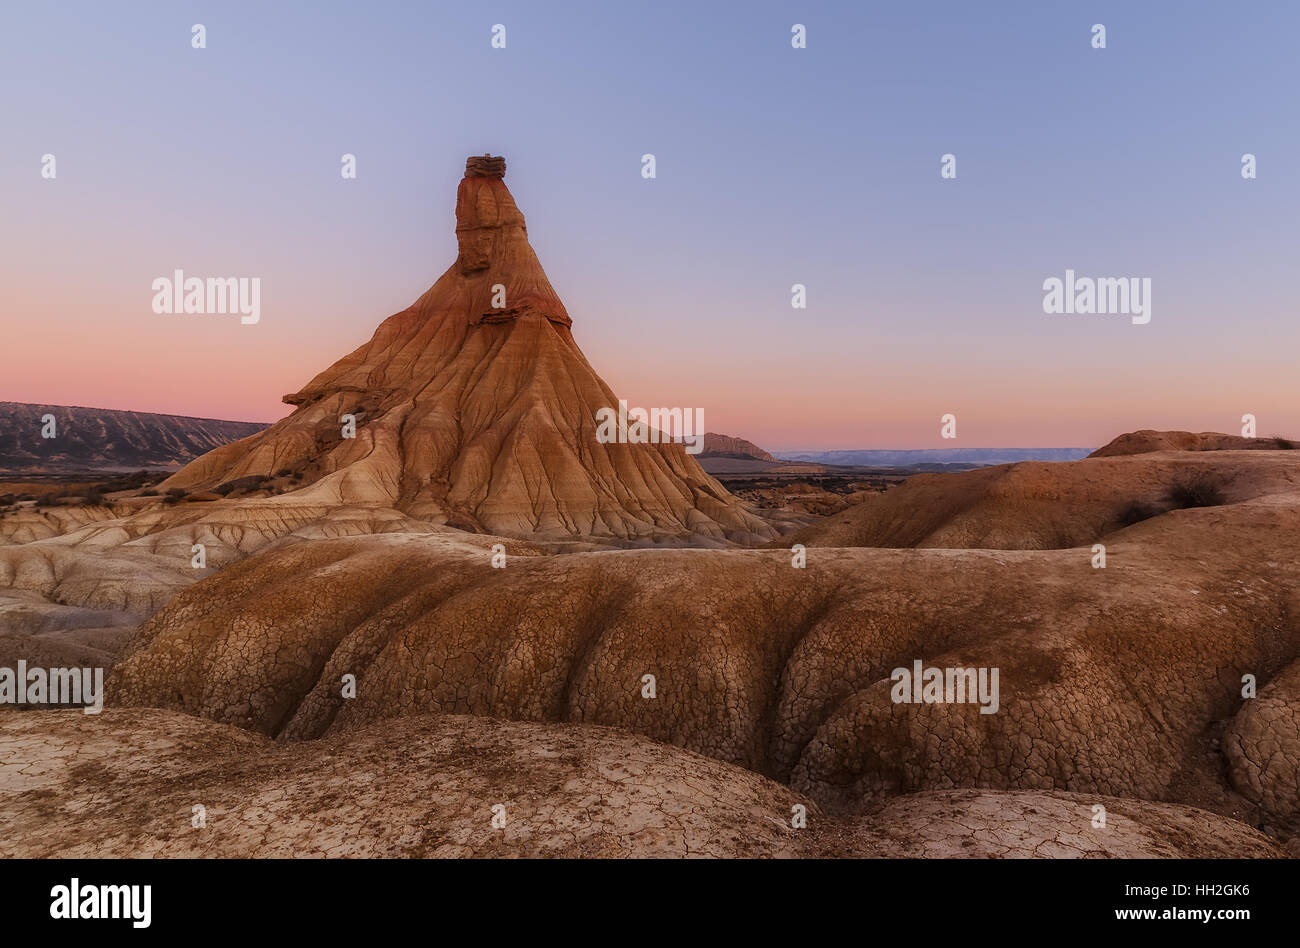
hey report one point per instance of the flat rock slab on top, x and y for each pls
(486, 166)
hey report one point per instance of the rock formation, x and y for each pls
(475, 408)
(485, 167)
(720, 445)
(1147, 440)
(1111, 679)
(1122, 682)
(1038, 505)
(1262, 746)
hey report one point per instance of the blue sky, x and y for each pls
(774, 166)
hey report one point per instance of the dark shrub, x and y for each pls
(238, 485)
(1136, 513)
(241, 485)
(1198, 491)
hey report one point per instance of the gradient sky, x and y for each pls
(775, 166)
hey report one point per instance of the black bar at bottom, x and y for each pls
(650, 899)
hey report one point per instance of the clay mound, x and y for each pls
(435, 780)
(134, 564)
(70, 568)
(1263, 747)
(476, 408)
(566, 791)
(1110, 678)
(975, 824)
(83, 648)
(28, 524)
(1037, 505)
(1147, 440)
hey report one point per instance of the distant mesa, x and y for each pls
(101, 439)
(725, 446)
(475, 408)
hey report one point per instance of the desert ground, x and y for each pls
(432, 613)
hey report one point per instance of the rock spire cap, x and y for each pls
(485, 166)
